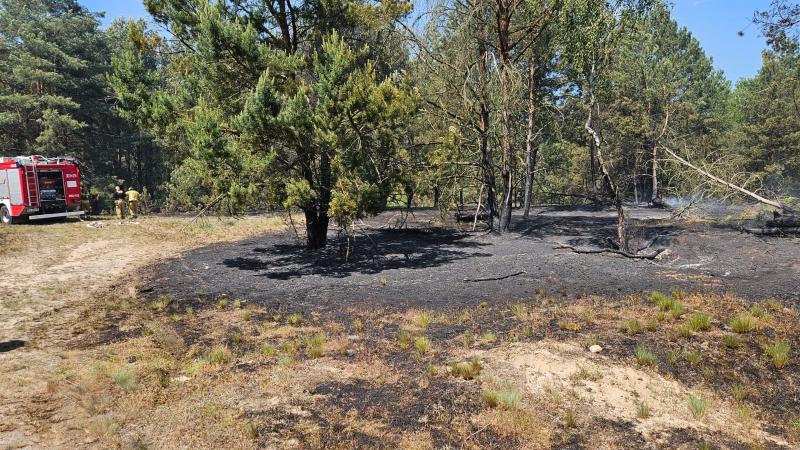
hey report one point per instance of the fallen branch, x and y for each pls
(610, 250)
(494, 278)
(728, 184)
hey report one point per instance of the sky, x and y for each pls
(714, 23)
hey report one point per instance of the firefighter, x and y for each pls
(86, 204)
(119, 202)
(133, 201)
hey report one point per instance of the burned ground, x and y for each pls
(426, 267)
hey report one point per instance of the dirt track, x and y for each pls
(426, 267)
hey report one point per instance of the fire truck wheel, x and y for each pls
(5, 215)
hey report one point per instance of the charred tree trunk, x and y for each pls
(317, 219)
(487, 160)
(594, 173)
(504, 12)
(654, 194)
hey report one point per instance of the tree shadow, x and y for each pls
(11, 345)
(587, 230)
(379, 251)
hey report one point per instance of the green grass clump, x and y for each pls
(686, 331)
(739, 392)
(222, 304)
(358, 325)
(502, 398)
(700, 322)
(631, 326)
(779, 351)
(126, 380)
(677, 310)
(424, 319)
(246, 316)
(643, 410)
(404, 339)
(218, 354)
(251, 429)
(314, 345)
(645, 356)
(423, 345)
(698, 405)
(520, 310)
(694, 358)
(267, 348)
(658, 298)
(570, 421)
(294, 319)
(467, 370)
(731, 340)
(743, 324)
(488, 338)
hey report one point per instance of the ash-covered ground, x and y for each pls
(426, 266)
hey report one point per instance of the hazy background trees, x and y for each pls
(343, 108)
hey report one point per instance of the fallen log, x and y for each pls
(783, 221)
(772, 231)
(659, 203)
(611, 250)
(469, 217)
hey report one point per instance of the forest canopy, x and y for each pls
(340, 109)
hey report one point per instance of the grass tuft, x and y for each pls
(643, 410)
(645, 356)
(404, 339)
(731, 340)
(423, 345)
(467, 370)
(700, 322)
(631, 326)
(743, 324)
(698, 405)
(294, 319)
(779, 351)
(502, 398)
(126, 380)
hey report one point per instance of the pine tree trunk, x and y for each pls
(622, 232)
(316, 228)
(530, 155)
(486, 146)
(503, 24)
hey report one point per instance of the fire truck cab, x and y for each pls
(35, 187)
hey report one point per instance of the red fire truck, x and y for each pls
(36, 187)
